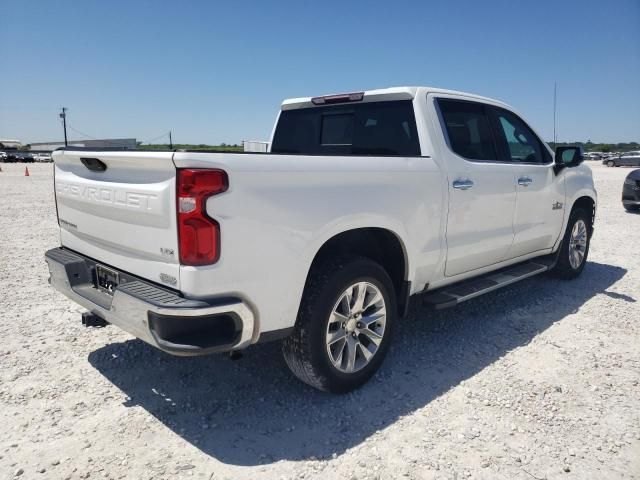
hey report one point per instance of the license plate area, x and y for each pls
(106, 279)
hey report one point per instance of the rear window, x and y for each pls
(376, 128)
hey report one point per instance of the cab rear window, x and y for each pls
(375, 128)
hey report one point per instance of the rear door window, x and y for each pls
(374, 128)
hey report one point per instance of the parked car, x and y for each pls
(42, 157)
(10, 156)
(365, 199)
(628, 159)
(24, 157)
(631, 191)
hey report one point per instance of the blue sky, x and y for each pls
(217, 71)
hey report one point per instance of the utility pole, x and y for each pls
(63, 116)
(170, 142)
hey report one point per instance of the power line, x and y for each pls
(157, 138)
(165, 134)
(110, 142)
(81, 133)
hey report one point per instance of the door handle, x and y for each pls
(462, 184)
(525, 181)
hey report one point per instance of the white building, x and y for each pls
(255, 146)
(6, 144)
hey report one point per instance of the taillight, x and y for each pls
(198, 234)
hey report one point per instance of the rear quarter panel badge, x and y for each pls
(169, 279)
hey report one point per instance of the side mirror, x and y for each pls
(568, 157)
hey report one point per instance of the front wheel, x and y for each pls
(575, 246)
(344, 325)
(611, 163)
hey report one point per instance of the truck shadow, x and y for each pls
(253, 411)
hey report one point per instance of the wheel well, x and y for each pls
(588, 205)
(377, 244)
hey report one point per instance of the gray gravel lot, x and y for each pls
(538, 380)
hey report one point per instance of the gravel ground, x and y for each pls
(538, 380)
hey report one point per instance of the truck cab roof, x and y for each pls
(385, 94)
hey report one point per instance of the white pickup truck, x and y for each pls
(364, 200)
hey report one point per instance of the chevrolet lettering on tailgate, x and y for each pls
(127, 199)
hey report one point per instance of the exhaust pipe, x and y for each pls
(92, 320)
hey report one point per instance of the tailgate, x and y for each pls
(124, 215)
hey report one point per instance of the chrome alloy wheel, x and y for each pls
(577, 244)
(356, 327)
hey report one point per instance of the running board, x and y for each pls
(451, 295)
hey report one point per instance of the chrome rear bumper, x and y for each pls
(160, 317)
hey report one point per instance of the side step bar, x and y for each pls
(451, 295)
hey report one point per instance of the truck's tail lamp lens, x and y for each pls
(198, 234)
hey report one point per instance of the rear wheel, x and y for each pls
(611, 163)
(575, 245)
(344, 325)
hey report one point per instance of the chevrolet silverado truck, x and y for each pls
(364, 200)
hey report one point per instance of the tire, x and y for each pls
(566, 268)
(611, 163)
(306, 351)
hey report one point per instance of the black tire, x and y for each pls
(563, 268)
(305, 351)
(611, 163)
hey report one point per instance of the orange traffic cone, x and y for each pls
(26, 171)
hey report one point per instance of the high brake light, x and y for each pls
(340, 98)
(198, 234)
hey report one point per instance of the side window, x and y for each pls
(519, 143)
(468, 129)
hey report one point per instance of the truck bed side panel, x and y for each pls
(280, 209)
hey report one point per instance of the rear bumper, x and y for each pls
(160, 317)
(631, 195)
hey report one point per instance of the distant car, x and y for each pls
(42, 157)
(631, 191)
(10, 157)
(24, 157)
(629, 159)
